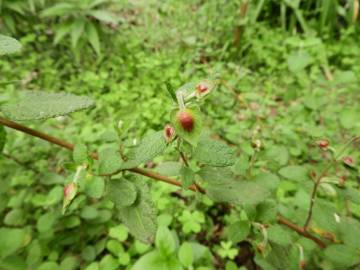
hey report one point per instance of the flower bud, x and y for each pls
(323, 144)
(202, 88)
(169, 133)
(69, 194)
(186, 120)
(348, 161)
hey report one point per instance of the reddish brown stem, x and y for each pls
(301, 231)
(149, 174)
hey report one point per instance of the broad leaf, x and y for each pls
(186, 254)
(154, 260)
(223, 187)
(187, 176)
(109, 161)
(150, 147)
(121, 192)
(80, 154)
(103, 16)
(11, 240)
(93, 36)
(140, 217)
(279, 235)
(94, 186)
(214, 153)
(165, 241)
(238, 231)
(295, 173)
(342, 255)
(9, 45)
(42, 105)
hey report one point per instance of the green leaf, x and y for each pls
(223, 187)
(80, 154)
(122, 192)
(15, 217)
(77, 30)
(103, 16)
(2, 138)
(349, 118)
(108, 262)
(149, 147)
(46, 222)
(11, 241)
(154, 260)
(9, 45)
(187, 176)
(279, 235)
(298, 61)
(342, 255)
(269, 180)
(58, 10)
(140, 217)
(214, 153)
(238, 231)
(119, 232)
(186, 255)
(109, 160)
(171, 91)
(93, 37)
(295, 173)
(94, 186)
(42, 105)
(69, 263)
(169, 168)
(165, 241)
(192, 136)
(349, 229)
(277, 153)
(61, 32)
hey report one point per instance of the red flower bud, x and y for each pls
(186, 120)
(69, 194)
(202, 88)
(169, 133)
(302, 264)
(69, 190)
(348, 160)
(323, 144)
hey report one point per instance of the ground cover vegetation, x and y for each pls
(189, 134)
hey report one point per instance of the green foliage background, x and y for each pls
(289, 74)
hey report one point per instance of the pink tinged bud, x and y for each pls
(69, 194)
(70, 190)
(169, 133)
(186, 120)
(202, 88)
(323, 144)
(348, 161)
(302, 264)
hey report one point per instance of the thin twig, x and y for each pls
(319, 178)
(70, 146)
(149, 174)
(301, 231)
